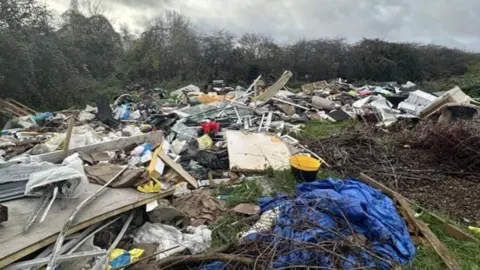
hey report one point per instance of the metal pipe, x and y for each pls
(92, 234)
(104, 259)
(66, 226)
(61, 258)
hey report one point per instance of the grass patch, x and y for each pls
(467, 254)
(323, 174)
(223, 232)
(282, 181)
(246, 192)
(318, 129)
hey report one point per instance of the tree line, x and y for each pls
(54, 63)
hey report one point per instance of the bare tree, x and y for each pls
(93, 7)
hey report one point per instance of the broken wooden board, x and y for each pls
(178, 169)
(58, 156)
(111, 202)
(274, 88)
(425, 231)
(255, 152)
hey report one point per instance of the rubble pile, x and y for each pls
(79, 182)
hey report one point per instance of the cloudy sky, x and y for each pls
(444, 22)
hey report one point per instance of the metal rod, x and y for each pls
(62, 258)
(253, 84)
(104, 258)
(66, 226)
(55, 193)
(269, 121)
(37, 211)
(239, 121)
(290, 103)
(261, 123)
(93, 233)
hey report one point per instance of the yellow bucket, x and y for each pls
(305, 168)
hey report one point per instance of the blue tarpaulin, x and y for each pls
(319, 212)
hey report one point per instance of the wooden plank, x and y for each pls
(456, 232)
(121, 143)
(254, 152)
(71, 123)
(274, 88)
(178, 168)
(23, 106)
(110, 203)
(439, 247)
(17, 111)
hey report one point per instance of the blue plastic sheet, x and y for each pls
(319, 212)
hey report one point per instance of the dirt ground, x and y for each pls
(457, 197)
(414, 172)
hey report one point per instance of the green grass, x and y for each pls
(324, 129)
(223, 228)
(323, 174)
(246, 192)
(282, 181)
(466, 254)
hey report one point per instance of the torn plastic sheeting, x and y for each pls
(86, 116)
(122, 112)
(369, 212)
(21, 172)
(72, 172)
(196, 239)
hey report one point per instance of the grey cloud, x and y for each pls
(444, 22)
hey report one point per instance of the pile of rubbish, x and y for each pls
(130, 182)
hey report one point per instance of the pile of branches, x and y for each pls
(356, 150)
(453, 147)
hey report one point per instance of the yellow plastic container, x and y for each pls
(305, 168)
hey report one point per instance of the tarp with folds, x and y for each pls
(369, 212)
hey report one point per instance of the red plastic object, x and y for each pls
(210, 126)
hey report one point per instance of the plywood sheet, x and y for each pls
(254, 152)
(14, 244)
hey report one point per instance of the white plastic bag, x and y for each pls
(82, 136)
(197, 240)
(22, 171)
(71, 172)
(86, 116)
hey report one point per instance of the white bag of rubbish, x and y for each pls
(196, 240)
(86, 116)
(82, 136)
(70, 178)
